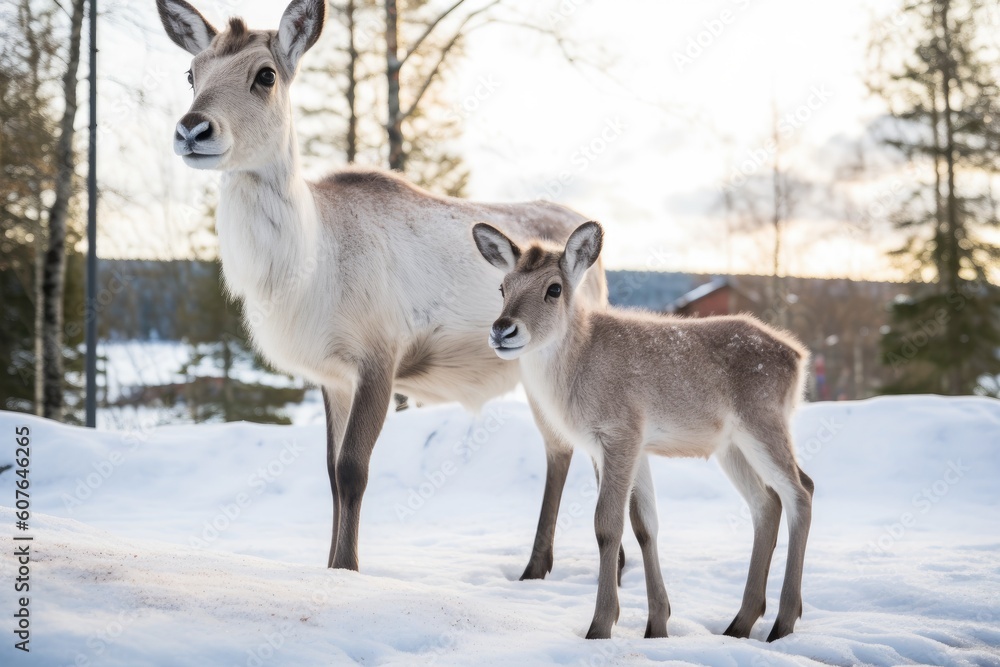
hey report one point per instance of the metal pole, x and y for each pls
(91, 309)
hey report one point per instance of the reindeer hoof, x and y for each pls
(738, 629)
(536, 570)
(654, 633)
(779, 630)
(598, 632)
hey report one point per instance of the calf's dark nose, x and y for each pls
(504, 329)
(194, 127)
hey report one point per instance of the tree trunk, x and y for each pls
(352, 85)
(54, 271)
(776, 221)
(939, 217)
(40, 243)
(394, 119)
(34, 60)
(950, 264)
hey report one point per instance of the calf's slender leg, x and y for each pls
(609, 524)
(540, 562)
(770, 454)
(368, 412)
(621, 547)
(765, 511)
(558, 455)
(338, 406)
(642, 511)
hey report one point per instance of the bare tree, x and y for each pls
(351, 92)
(766, 199)
(347, 64)
(411, 47)
(428, 40)
(54, 270)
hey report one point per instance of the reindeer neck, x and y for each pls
(267, 225)
(562, 352)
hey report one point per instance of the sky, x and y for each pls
(685, 98)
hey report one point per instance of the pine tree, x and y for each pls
(939, 79)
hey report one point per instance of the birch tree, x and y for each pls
(54, 262)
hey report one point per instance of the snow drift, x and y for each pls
(206, 545)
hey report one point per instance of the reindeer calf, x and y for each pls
(622, 384)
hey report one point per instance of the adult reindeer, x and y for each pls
(360, 282)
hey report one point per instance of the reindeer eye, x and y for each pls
(554, 291)
(266, 77)
(190, 78)
(501, 292)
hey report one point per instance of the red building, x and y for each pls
(717, 297)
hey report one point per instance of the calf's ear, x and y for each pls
(498, 250)
(582, 250)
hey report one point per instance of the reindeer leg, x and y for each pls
(765, 509)
(368, 412)
(797, 494)
(621, 547)
(769, 451)
(558, 457)
(338, 407)
(609, 524)
(642, 511)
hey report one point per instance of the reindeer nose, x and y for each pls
(193, 127)
(504, 329)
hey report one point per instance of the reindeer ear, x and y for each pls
(300, 27)
(498, 250)
(582, 250)
(185, 25)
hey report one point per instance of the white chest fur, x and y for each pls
(539, 373)
(267, 234)
(270, 250)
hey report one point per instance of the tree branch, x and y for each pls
(459, 33)
(430, 28)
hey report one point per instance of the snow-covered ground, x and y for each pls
(206, 545)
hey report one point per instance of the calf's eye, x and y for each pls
(554, 291)
(266, 77)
